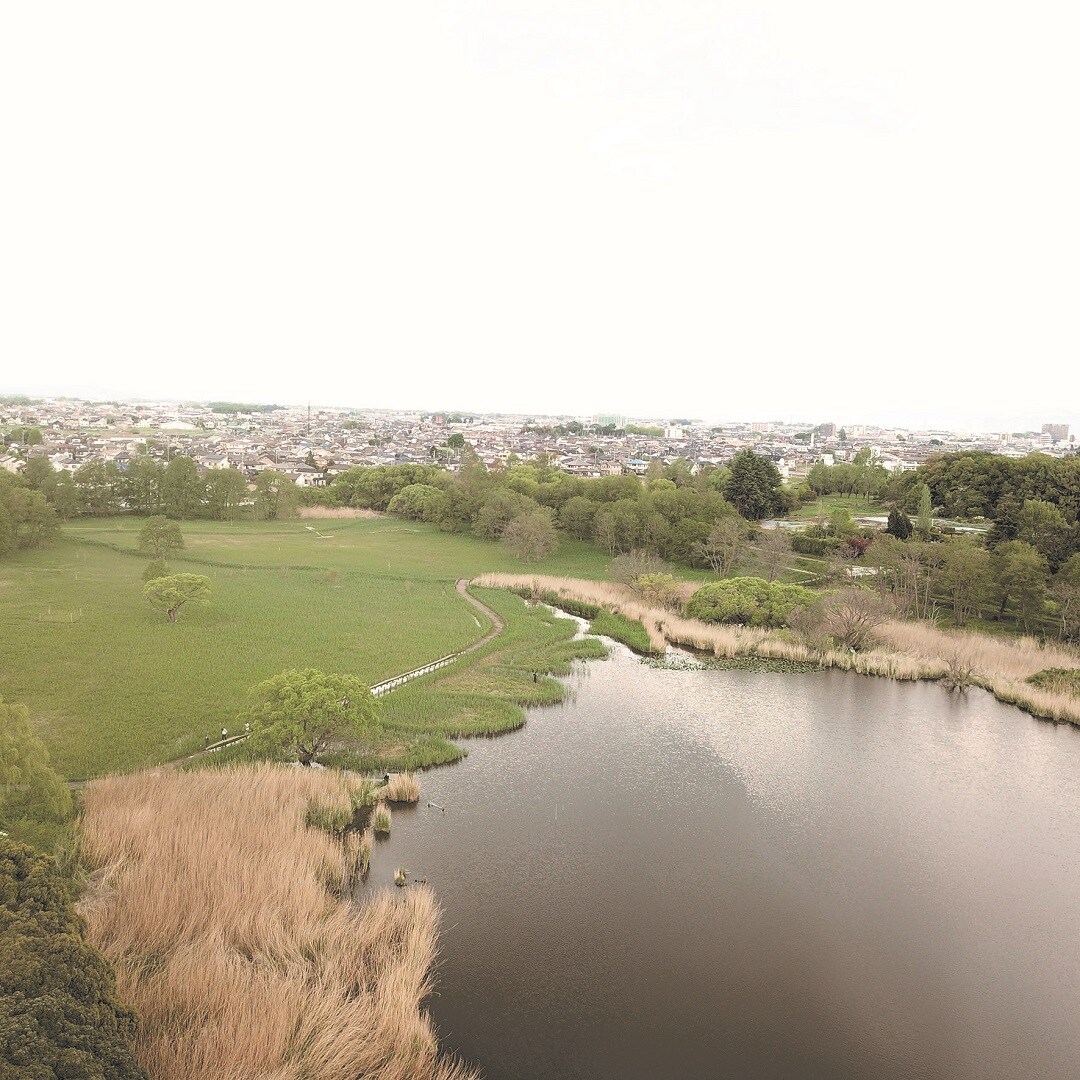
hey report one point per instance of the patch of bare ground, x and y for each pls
(901, 650)
(227, 921)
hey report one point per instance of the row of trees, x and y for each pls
(176, 489)
(970, 580)
(670, 512)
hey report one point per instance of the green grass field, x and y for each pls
(111, 686)
(855, 505)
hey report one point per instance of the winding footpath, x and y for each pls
(385, 687)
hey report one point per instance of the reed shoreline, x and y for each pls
(229, 922)
(904, 651)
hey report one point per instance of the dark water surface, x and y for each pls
(731, 874)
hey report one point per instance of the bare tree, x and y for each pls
(531, 536)
(635, 564)
(725, 545)
(852, 614)
(772, 553)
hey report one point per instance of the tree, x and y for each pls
(924, 521)
(576, 516)
(1066, 591)
(276, 496)
(171, 593)
(1021, 573)
(155, 568)
(143, 481)
(772, 552)
(899, 524)
(753, 486)
(626, 569)
(963, 576)
(226, 489)
(725, 545)
(59, 1012)
(181, 489)
(160, 537)
(531, 535)
(28, 785)
(852, 614)
(299, 712)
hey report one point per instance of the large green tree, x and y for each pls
(29, 787)
(170, 594)
(1021, 574)
(159, 537)
(226, 489)
(299, 713)
(182, 490)
(753, 486)
(59, 1013)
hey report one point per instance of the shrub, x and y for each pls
(748, 601)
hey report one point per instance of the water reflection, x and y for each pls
(706, 873)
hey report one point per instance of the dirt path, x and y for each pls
(497, 625)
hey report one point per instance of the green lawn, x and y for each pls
(112, 686)
(855, 505)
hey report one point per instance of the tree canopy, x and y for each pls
(171, 593)
(59, 1014)
(28, 785)
(160, 537)
(299, 712)
(753, 486)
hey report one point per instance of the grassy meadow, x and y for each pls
(112, 686)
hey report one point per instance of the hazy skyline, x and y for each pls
(846, 211)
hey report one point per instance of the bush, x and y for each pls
(748, 601)
(805, 544)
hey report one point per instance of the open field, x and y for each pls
(111, 686)
(223, 916)
(855, 505)
(387, 546)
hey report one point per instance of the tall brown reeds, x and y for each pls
(901, 650)
(220, 911)
(329, 513)
(401, 787)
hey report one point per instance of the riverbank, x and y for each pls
(227, 921)
(902, 650)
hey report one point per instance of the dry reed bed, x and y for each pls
(322, 513)
(905, 650)
(401, 787)
(221, 912)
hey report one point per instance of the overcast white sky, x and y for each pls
(845, 209)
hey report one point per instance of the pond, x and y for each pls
(734, 874)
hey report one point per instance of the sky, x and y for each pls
(843, 210)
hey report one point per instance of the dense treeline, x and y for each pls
(148, 486)
(671, 512)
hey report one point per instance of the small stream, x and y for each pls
(709, 873)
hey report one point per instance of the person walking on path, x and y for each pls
(224, 734)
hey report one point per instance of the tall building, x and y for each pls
(1057, 432)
